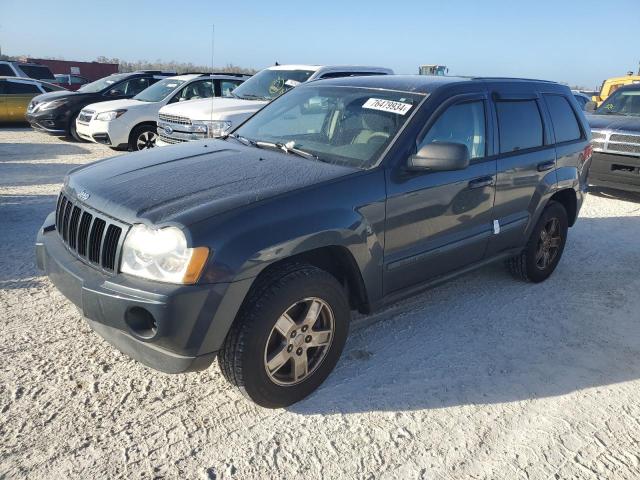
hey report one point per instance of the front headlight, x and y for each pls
(162, 254)
(51, 105)
(111, 115)
(211, 128)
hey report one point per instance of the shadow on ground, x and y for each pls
(615, 194)
(486, 338)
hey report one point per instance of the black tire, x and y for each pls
(529, 265)
(137, 135)
(243, 358)
(73, 134)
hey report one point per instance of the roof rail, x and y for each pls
(513, 78)
(155, 72)
(231, 74)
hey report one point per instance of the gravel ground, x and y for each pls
(483, 377)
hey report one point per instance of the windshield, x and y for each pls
(158, 91)
(269, 84)
(622, 102)
(101, 84)
(341, 125)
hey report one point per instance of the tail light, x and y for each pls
(586, 153)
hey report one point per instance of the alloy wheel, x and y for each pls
(299, 341)
(549, 243)
(146, 140)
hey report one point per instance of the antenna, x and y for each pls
(213, 87)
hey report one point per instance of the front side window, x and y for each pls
(623, 102)
(519, 125)
(271, 83)
(15, 88)
(341, 125)
(462, 123)
(195, 90)
(159, 91)
(565, 124)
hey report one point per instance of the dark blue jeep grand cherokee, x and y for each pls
(341, 195)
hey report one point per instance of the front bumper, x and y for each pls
(50, 122)
(190, 321)
(621, 172)
(107, 133)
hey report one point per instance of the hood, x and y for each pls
(614, 122)
(187, 183)
(214, 109)
(115, 105)
(47, 97)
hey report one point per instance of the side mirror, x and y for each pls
(115, 93)
(590, 107)
(440, 157)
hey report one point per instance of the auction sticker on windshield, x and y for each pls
(399, 108)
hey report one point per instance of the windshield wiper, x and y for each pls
(289, 147)
(240, 138)
(250, 96)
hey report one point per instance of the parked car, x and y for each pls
(206, 119)
(70, 82)
(344, 194)
(26, 70)
(581, 98)
(615, 127)
(612, 84)
(15, 95)
(55, 113)
(131, 124)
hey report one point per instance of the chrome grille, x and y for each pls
(89, 235)
(174, 119)
(166, 139)
(624, 143)
(85, 116)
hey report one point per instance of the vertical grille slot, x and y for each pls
(73, 227)
(110, 247)
(60, 214)
(83, 233)
(65, 221)
(95, 240)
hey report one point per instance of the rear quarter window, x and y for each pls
(563, 118)
(519, 124)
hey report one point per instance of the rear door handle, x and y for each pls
(546, 166)
(481, 182)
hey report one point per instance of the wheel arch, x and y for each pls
(150, 123)
(568, 199)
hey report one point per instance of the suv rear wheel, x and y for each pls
(545, 246)
(288, 336)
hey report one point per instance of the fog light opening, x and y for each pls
(141, 322)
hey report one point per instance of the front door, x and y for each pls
(438, 222)
(19, 94)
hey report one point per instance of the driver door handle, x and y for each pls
(481, 182)
(546, 166)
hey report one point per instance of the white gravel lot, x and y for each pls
(484, 377)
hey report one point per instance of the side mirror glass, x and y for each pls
(441, 156)
(590, 107)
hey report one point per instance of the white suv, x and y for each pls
(213, 118)
(131, 123)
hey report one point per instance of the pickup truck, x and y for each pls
(210, 118)
(341, 195)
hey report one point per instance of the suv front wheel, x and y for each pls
(288, 336)
(542, 253)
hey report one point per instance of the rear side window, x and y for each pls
(565, 124)
(21, 88)
(520, 125)
(38, 72)
(6, 70)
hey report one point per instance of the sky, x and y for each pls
(577, 42)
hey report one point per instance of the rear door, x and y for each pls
(3, 101)
(18, 95)
(438, 222)
(526, 164)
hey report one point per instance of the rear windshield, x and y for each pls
(623, 102)
(39, 72)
